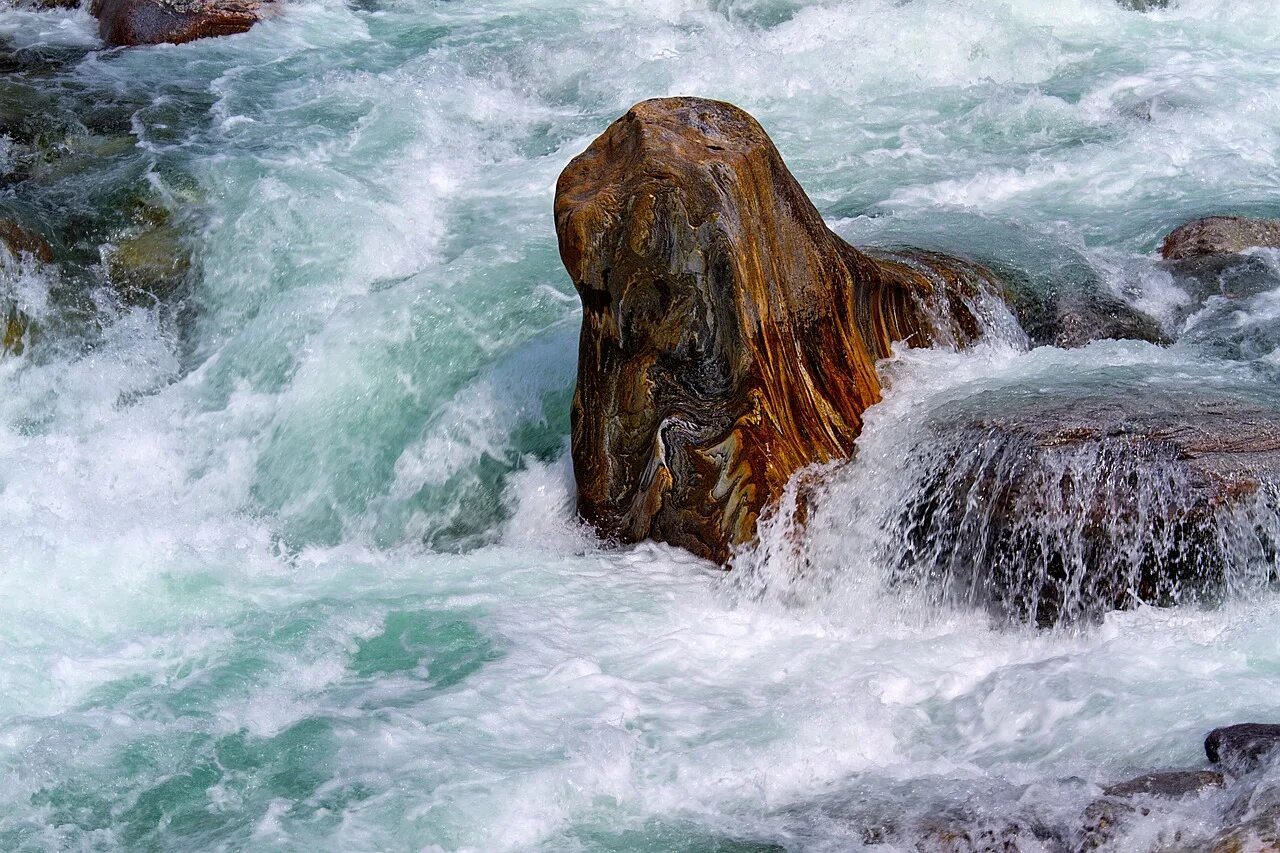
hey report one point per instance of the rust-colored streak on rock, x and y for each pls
(142, 22)
(21, 241)
(728, 337)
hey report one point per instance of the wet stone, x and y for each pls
(1172, 784)
(144, 22)
(1050, 508)
(23, 241)
(1125, 802)
(949, 835)
(1259, 834)
(1220, 235)
(1242, 748)
(16, 330)
(150, 264)
(729, 338)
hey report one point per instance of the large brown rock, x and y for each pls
(140, 22)
(1220, 235)
(729, 338)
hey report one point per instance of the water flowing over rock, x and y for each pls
(1244, 747)
(1070, 318)
(23, 241)
(1051, 510)
(729, 338)
(16, 244)
(142, 22)
(1220, 235)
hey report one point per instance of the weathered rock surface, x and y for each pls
(1220, 235)
(1169, 784)
(150, 264)
(1125, 803)
(1242, 748)
(22, 241)
(1050, 507)
(728, 337)
(15, 330)
(142, 22)
(1072, 318)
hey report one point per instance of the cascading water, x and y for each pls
(288, 558)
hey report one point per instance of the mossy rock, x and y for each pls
(151, 263)
(17, 332)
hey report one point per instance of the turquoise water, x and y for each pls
(288, 559)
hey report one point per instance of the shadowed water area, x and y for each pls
(288, 553)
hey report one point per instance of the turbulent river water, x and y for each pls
(288, 560)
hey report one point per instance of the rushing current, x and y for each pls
(289, 559)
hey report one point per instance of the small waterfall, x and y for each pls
(1049, 533)
(1044, 496)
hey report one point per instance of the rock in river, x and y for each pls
(140, 22)
(1052, 506)
(729, 338)
(22, 241)
(1244, 747)
(1220, 235)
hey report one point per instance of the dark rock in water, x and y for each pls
(1082, 318)
(1059, 507)
(1261, 835)
(22, 241)
(1220, 235)
(1143, 5)
(1125, 802)
(15, 326)
(1252, 825)
(951, 834)
(1242, 748)
(150, 264)
(728, 337)
(1072, 314)
(1168, 784)
(15, 331)
(142, 22)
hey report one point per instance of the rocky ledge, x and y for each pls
(142, 22)
(1051, 507)
(1220, 235)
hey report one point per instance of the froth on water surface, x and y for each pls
(287, 554)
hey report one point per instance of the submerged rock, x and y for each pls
(965, 834)
(1220, 235)
(15, 325)
(1242, 748)
(1075, 314)
(1125, 803)
(728, 337)
(1059, 507)
(142, 22)
(1169, 784)
(22, 241)
(150, 264)
(15, 332)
